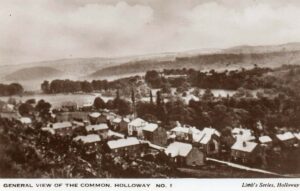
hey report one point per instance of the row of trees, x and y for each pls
(230, 80)
(11, 89)
(69, 86)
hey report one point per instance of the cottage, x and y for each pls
(155, 134)
(88, 106)
(100, 129)
(120, 124)
(286, 139)
(242, 134)
(90, 142)
(135, 127)
(70, 116)
(265, 140)
(96, 118)
(130, 146)
(246, 152)
(209, 140)
(91, 139)
(113, 135)
(184, 133)
(185, 154)
(62, 128)
(297, 136)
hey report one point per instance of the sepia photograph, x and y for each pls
(150, 89)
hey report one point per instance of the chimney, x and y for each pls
(244, 144)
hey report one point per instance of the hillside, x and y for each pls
(100, 67)
(218, 61)
(289, 47)
(33, 73)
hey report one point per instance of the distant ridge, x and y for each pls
(96, 67)
(33, 73)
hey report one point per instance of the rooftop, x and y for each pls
(88, 139)
(151, 127)
(205, 135)
(265, 139)
(178, 149)
(60, 125)
(285, 136)
(98, 127)
(95, 114)
(130, 141)
(297, 135)
(242, 134)
(137, 122)
(25, 120)
(118, 120)
(244, 146)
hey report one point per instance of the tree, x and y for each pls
(86, 86)
(25, 109)
(45, 86)
(151, 97)
(153, 79)
(132, 96)
(166, 88)
(43, 108)
(208, 95)
(123, 107)
(158, 98)
(99, 103)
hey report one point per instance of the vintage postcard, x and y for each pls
(149, 95)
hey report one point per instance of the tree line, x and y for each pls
(70, 86)
(11, 89)
(229, 80)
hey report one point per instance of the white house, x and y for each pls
(242, 134)
(184, 154)
(88, 139)
(245, 151)
(100, 129)
(135, 127)
(209, 140)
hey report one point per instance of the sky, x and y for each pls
(36, 30)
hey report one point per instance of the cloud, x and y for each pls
(46, 29)
(34, 31)
(215, 25)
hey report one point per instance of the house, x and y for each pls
(242, 134)
(135, 127)
(62, 128)
(26, 121)
(184, 154)
(209, 140)
(90, 142)
(120, 124)
(96, 118)
(100, 129)
(70, 116)
(155, 134)
(265, 141)
(184, 133)
(130, 146)
(297, 136)
(286, 139)
(91, 139)
(245, 151)
(88, 106)
(115, 135)
(110, 116)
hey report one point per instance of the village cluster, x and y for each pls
(184, 145)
